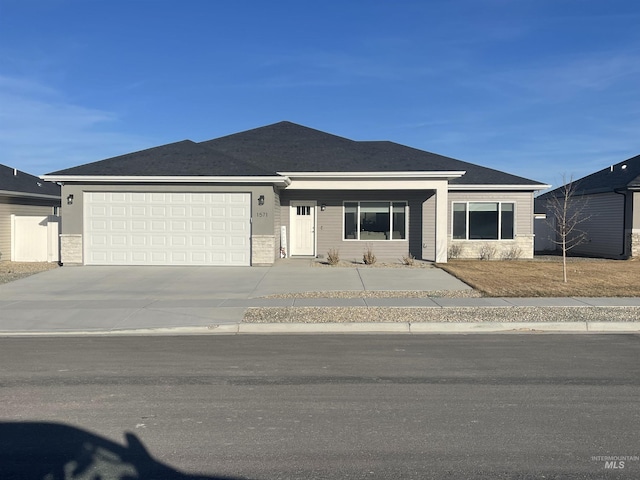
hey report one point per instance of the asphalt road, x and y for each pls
(330, 407)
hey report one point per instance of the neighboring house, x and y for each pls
(28, 226)
(612, 213)
(285, 189)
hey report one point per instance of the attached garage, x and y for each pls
(167, 228)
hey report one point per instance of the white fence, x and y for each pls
(35, 239)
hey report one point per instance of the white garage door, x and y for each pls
(132, 228)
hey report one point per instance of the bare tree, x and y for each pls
(567, 211)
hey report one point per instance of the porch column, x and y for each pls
(441, 222)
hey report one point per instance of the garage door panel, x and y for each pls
(138, 240)
(198, 241)
(118, 225)
(135, 228)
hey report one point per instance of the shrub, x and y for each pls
(333, 256)
(513, 253)
(369, 257)
(487, 251)
(408, 260)
(455, 250)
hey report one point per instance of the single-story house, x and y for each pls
(28, 222)
(611, 215)
(287, 190)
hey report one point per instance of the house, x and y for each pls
(612, 213)
(28, 226)
(287, 190)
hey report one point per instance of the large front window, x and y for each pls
(375, 220)
(483, 221)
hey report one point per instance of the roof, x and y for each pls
(288, 147)
(185, 158)
(17, 182)
(621, 176)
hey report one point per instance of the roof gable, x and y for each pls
(14, 180)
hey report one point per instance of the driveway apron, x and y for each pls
(93, 298)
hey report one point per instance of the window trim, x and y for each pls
(390, 202)
(467, 210)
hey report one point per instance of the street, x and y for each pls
(322, 406)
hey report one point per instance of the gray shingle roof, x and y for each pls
(620, 176)
(185, 158)
(288, 147)
(17, 181)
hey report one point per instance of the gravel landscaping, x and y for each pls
(382, 294)
(439, 314)
(10, 271)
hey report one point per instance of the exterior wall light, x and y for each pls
(261, 200)
(70, 199)
(323, 207)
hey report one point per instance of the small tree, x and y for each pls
(567, 211)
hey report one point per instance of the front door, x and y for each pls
(303, 228)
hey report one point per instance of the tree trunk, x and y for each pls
(564, 260)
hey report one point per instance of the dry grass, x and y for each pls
(536, 278)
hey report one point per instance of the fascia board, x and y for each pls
(9, 193)
(375, 175)
(277, 180)
(499, 187)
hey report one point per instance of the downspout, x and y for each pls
(623, 192)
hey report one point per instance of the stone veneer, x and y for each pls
(263, 249)
(71, 248)
(635, 245)
(472, 248)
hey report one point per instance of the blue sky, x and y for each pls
(538, 88)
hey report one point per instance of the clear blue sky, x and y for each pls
(538, 88)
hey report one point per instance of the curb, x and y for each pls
(357, 328)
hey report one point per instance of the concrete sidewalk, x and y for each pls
(214, 299)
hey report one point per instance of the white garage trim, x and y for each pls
(167, 228)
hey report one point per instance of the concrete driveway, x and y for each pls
(117, 298)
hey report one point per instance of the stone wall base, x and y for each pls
(520, 247)
(635, 245)
(263, 249)
(71, 249)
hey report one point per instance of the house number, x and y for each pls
(262, 214)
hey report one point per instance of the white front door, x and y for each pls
(303, 228)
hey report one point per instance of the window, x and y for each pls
(303, 210)
(375, 220)
(483, 221)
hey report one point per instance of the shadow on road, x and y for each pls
(54, 451)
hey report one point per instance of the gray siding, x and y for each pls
(604, 227)
(277, 219)
(329, 230)
(426, 214)
(13, 206)
(634, 210)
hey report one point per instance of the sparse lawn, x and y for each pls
(543, 278)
